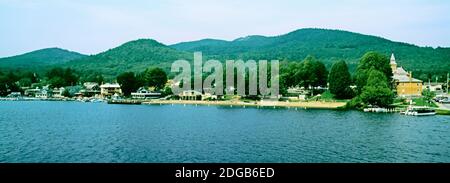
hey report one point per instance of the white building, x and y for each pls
(190, 95)
(58, 92)
(143, 93)
(108, 89)
(44, 93)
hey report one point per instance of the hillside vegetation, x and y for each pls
(39, 59)
(326, 45)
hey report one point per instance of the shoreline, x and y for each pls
(230, 103)
(307, 105)
(276, 104)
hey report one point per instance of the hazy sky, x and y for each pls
(92, 27)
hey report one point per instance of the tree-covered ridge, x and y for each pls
(327, 45)
(134, 56)
(39, 59)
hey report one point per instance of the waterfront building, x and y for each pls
(108, 89)
(90, 89)
(31, 92)
(438, 88)
(143, 93)
(44, 93)
(58, 92)
(14, 95)
(404, 84)
(298, 93)
(190, 95)
(209, 94)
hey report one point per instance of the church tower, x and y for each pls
(393, 64)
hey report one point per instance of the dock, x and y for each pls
(129, 102)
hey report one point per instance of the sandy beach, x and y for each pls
(309, 105)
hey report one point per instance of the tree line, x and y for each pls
(61, 77)
(372, 80)
(151, 77)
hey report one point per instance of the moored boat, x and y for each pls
(377, 110)
(419, 111)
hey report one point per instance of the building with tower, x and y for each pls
(404, 84)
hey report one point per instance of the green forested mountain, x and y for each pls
(326, 45)
(132, 56)
(39, 59)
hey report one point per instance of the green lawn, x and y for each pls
(442, 112)
(422, 102)
(327, 96)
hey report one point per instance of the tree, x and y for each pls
(59, 77)
(55, 72)
(57, 82)
(377, 91)
(340, 81)
(70, 77)
(3, 89)
(128, 82)
(428, 95)
(308, 73)
(66, 93)
(167, 91)
(11, 77)
(8, 83)
(371, 61)
(94, 77)
(32, 76)
(321, 74)
(25, 82)
(289, 75)
(155, 77)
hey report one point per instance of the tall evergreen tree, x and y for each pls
(155, 77)
(340, 81)
(128, 82)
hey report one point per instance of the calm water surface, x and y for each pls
(98, 132)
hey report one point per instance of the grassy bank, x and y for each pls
(442, 112)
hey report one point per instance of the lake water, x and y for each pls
(97, 132)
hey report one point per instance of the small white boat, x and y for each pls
(376, 110)
(96, 100)
(419, 111)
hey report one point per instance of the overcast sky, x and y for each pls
(92, 27)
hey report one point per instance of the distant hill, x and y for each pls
(327, 45)
(39, 59)
(132, 56)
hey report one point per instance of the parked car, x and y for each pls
(440, 98)
(445, 101)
